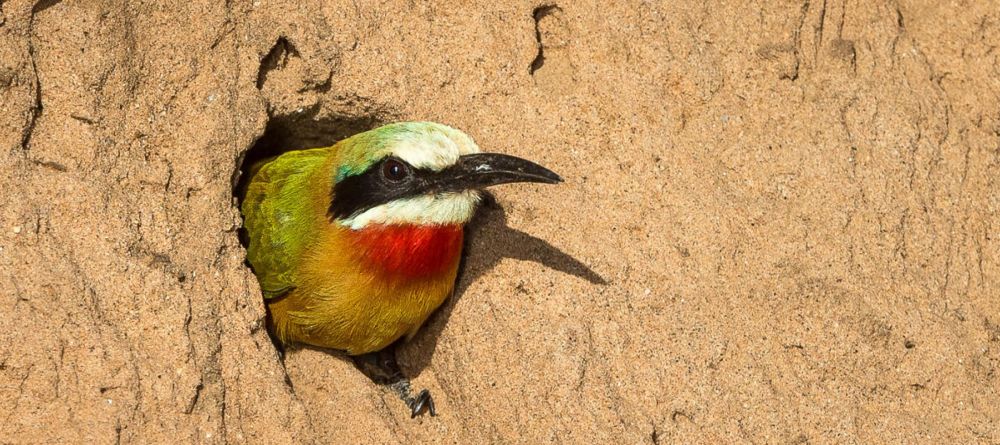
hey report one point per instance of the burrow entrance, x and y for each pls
(285, 133)
(300, 131)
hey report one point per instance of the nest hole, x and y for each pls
(285, 133)
(299, 131)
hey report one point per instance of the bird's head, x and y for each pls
(419, 173)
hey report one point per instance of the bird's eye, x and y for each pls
(394, 170)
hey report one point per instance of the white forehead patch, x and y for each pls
(435, 149)
(437, 209)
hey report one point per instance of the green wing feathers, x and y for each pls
(276, 212)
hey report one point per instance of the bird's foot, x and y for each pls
(381, 367)
(422, 402)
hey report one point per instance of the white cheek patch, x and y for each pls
(434, 150)
(439, 209)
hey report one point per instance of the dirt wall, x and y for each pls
(779, 222)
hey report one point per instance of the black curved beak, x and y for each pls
(482, 170)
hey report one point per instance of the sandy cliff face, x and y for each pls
(780, 221)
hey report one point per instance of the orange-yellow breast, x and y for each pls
(360, 290)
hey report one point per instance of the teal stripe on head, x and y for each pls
(345, 171)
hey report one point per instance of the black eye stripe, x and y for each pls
(355, 194)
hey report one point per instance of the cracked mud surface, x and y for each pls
(779, 225)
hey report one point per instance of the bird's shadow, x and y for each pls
(488, 240)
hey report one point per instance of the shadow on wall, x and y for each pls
(488, 240)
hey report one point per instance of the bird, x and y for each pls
(355, 245)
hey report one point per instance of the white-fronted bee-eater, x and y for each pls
(355, 245)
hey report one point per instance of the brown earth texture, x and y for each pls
(779, 222)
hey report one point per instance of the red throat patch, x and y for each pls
(409, 250)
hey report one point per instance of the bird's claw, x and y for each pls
(381, 368)
(421, 401)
